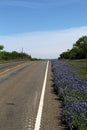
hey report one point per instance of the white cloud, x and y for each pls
(47, 44)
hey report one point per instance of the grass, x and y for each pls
(80, 66)
(9, 61)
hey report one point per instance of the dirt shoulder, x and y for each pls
(52, 107)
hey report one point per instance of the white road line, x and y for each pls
(39, 114)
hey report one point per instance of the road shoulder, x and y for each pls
(51, 116)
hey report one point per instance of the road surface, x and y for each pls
(20, 91)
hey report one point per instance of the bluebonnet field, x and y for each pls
(73, 93)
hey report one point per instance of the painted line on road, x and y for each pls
(12, 68)
(40, 109)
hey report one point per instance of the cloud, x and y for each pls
(47, 44)
(36, 4)
(19, 3)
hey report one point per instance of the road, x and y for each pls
(20, 91)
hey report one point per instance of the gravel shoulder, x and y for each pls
(51, 117)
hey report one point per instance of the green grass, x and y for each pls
(80, 66)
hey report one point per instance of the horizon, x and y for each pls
(44, 29)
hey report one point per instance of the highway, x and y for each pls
(20, 91)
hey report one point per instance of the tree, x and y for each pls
(64, 55)
(1, 47)
(78, 51)
(82, 45)
(81, 42)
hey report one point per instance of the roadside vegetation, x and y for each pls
(14, 56)
(72, 90)
(70, 83)
(78, 51)
(80, 66)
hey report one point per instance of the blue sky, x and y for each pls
(44, 28)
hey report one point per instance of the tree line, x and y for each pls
(13, 55)
(78, 51)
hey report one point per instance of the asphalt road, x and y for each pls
(20, 92)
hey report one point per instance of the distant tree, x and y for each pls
(1, 47)
(13, 55)
(1, 53)
(81, 42)
(82, 45)
(64, 55)
(78, 51)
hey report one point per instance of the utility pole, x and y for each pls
(22, 50)
(22, 53)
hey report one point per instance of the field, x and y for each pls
(70, 83)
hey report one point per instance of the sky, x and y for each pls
(43, 28)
